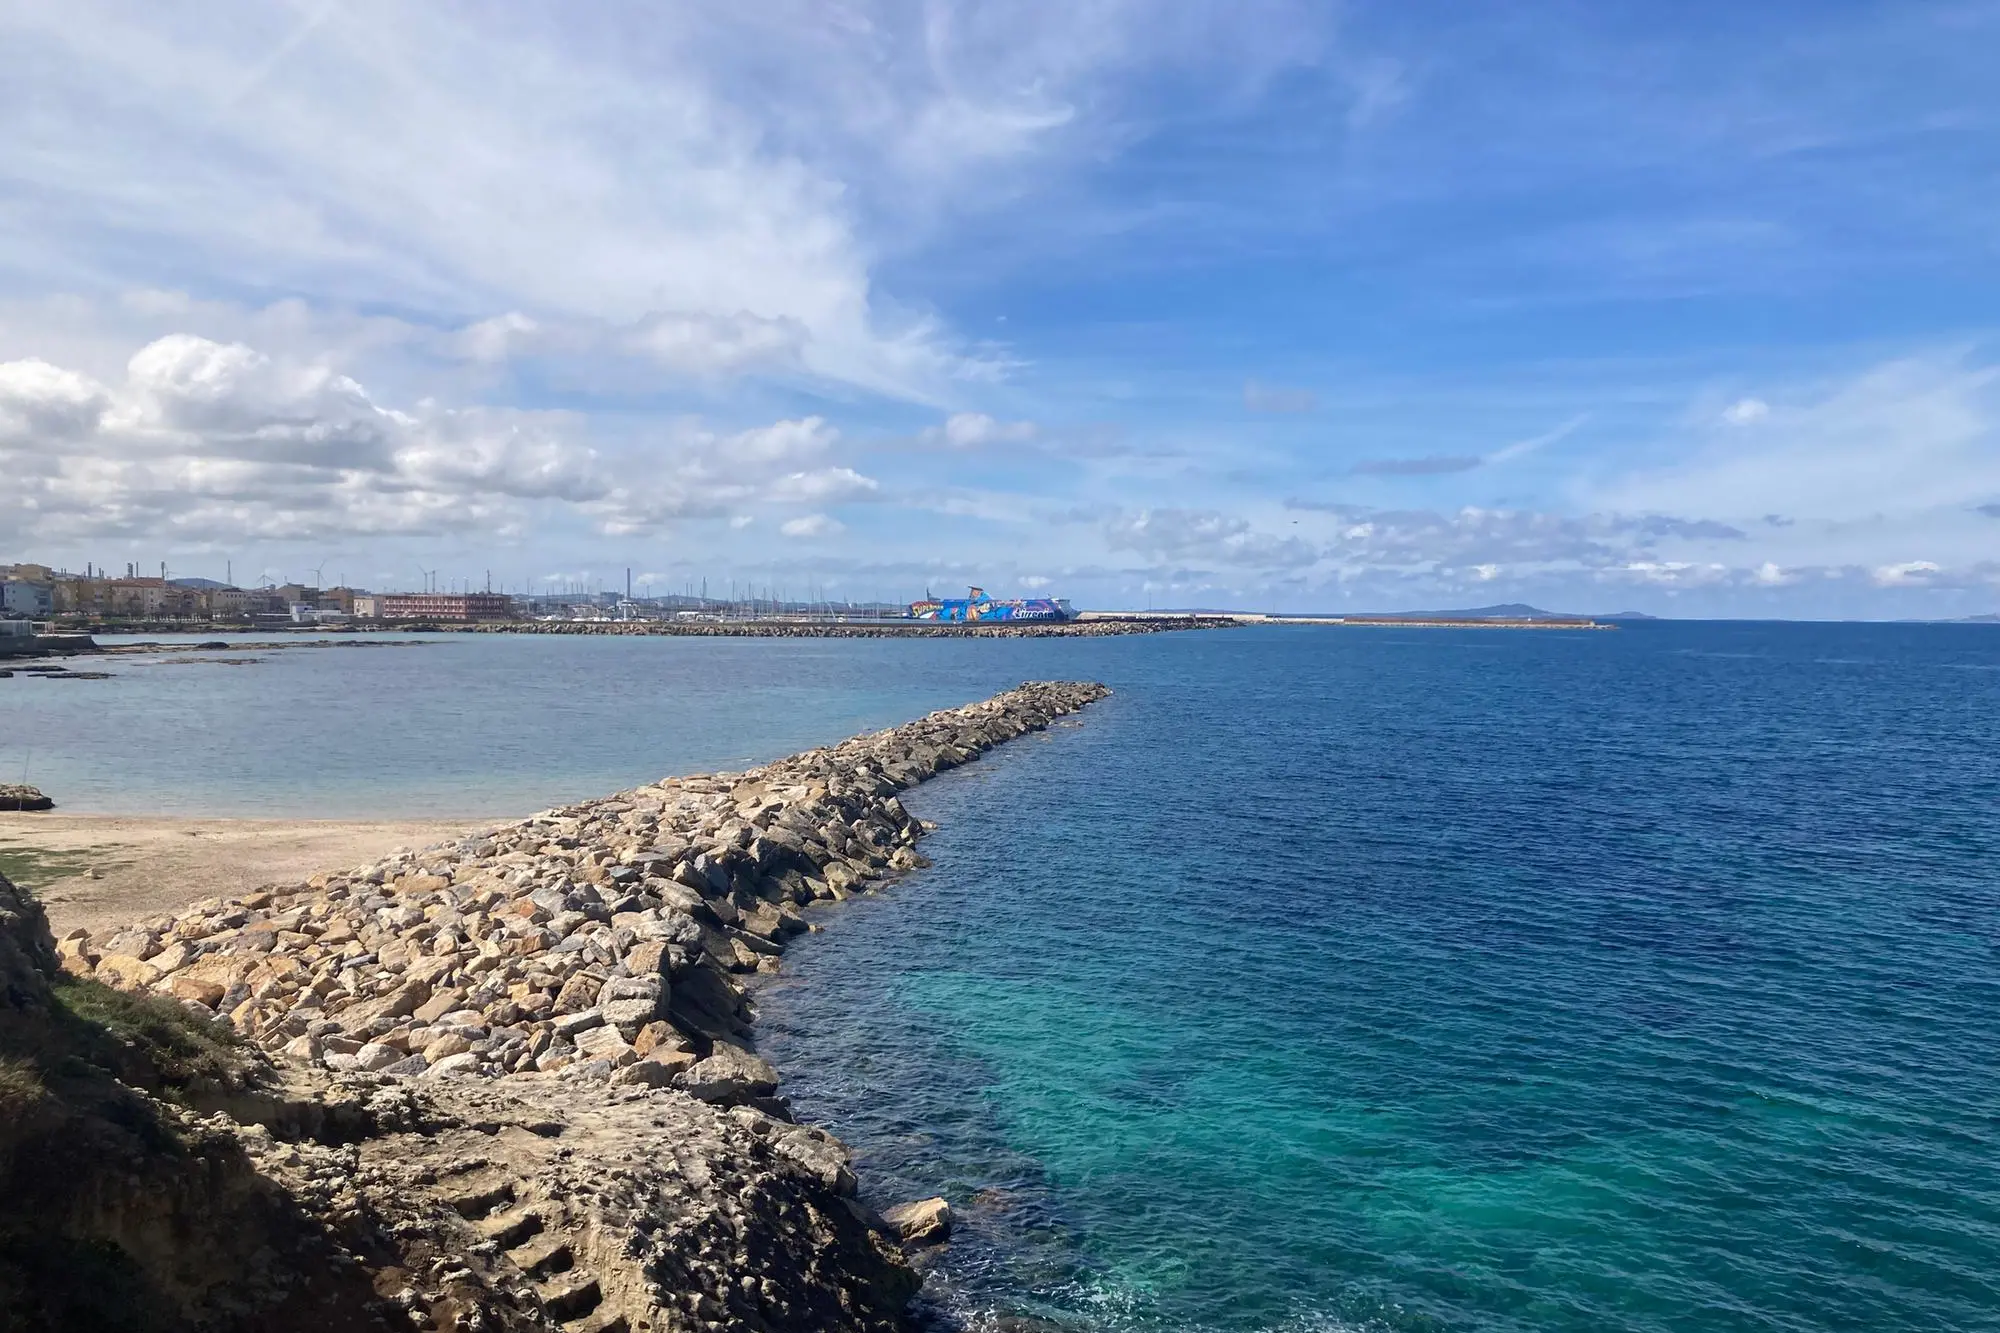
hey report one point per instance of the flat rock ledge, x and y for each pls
(564, 998)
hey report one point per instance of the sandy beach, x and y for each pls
(93, 871)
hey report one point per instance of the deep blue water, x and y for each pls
(1320, 978)
(1480, 980)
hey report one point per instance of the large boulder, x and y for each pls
(15, 796)
(925, 1222)
(730, 1076)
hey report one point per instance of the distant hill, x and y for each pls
(197, 583)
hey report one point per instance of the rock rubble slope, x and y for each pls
(554, 1115)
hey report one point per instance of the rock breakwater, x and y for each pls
(564, 999)
(904, 629)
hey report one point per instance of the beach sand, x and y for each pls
(147, 864)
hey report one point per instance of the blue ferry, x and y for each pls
(977, 606)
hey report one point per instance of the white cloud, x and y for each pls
(1522, 448)
(812, 525)
(1906, 573)
(41, 403)
(499, 338)
(1908, 436)
(711, 346)
(1189, 535)
(1771, 575)
(534, 165)
(207, 441)
(977, 430)
(823, 486)
(242, 404)
(1672, 573)
(502, 453)
(1746, 410)
(781, 442)
(1358, 539)
(706, 188)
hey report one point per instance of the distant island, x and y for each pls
(1504, 613)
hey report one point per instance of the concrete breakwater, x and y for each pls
(895, 629)
(563, 996)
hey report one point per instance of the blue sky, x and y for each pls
(1685, 308)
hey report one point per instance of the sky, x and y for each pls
(1269, 305)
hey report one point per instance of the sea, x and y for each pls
(1321, 978)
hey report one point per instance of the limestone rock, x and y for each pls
(658, 1036)
(629, 1016)
(605, 1044)
(375, 1056)
(195, 990)
(818, 1153)
(465, 1062)
(569, 1025)
(925, 1222)
(126, 972)
(729, 1076)
(445, 1047)
(643, 1074)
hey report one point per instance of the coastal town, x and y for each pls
(40, 592)
(39, 600)
(96, 598)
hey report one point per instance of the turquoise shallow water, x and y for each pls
(1642, 981)
(1318, 979)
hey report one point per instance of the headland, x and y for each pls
(506, 1082)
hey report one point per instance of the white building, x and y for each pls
(18, 597)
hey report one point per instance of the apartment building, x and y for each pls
(445, 606)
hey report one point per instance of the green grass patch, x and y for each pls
(21, 1088)
(175, 1047)
(30, 866)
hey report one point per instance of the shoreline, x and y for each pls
(585, 966)
(76, 639)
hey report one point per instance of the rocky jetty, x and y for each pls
(544, 1033)
(18, 796)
